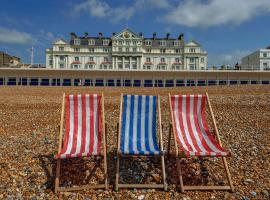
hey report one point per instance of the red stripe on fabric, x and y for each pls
(181, 123)
(75, 129)
(196, 122)
(83, 124)
(205, 125)
(67, 107)
(188, 120)
(91, 108)
(100, 119)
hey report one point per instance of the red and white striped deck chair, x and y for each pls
(84, 133)
(192, 136)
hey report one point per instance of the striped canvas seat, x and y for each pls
(139, 125)
(83, 126)
(191, 129)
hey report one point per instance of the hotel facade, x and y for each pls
(126, 50)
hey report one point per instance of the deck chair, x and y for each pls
(192, 136)
(137, 134)
(84, 132)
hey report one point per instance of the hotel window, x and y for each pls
(77, 59)
(106, 50)
(91, 42)
(91, 50)
(148, 59)
(120, 42)
(91, 59)
(77, 49)
(88, 67)
(176, 43)
(120, 66)
(134, 66)
(177, 60)
(191, 60)
(106, 42)
(120, 49)
(77, 42)
(162, 60)
(162, 50)
(76, 67)
(192, 50)
(134, 42)
(177, 50)
(127, 66)
(105, 59)
(127, 49)
(202, 60)
(148, 43)
(61, 65)
(148, 50)
(127, 43)
(264, 55)
(61, 58)
(134, 49)
(264, 64)
(61, 48)
(162, 43)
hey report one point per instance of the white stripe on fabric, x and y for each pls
(194, 130)
(135, 117)
(143, 119)
(150, 131)
(79, 133)
(71, 122)
(208, 141)
(95, 124)
(88, 124)
(184, 114)
(126, 145)
(177, 122)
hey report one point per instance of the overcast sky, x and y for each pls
(227, 29)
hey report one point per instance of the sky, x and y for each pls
(226, 29)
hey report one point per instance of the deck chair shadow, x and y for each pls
(85, 134)
(192, 136)
(137, 134)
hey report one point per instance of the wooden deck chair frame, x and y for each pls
(182, 186)
(120, 155)
(104, 134)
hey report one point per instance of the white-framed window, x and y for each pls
(120, 42)
(134, 66)
(265, 55)
(77, 42)
(148, 50)
(127, 49)
(177, 50)
(176, 43)
(120, 66)
(202, 60)
(88, 66)
(77, 49)
(106, 42)
(148, 43)
(91, 59)
(75, 66)
(91, 50)
(61, 48)
(162, 60)
(162, 50)
(265, 64)
(127, 43)
(148, 59)
(162, 43)
(105, 59)
(77, 58)
(120, 49)
(61, 65)
(106, 50)
(91, 42)
(192, 50)
(191, 60)
(127, 66)
(61, 58)
(177, 60)
(134, 49)
(134, 42)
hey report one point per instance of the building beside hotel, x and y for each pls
(126, 50)
(258, 60)
(7, 60)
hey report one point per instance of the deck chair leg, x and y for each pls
(163, 172)
(228, 173)
(57, 175)
(117, 173)
(180, 174)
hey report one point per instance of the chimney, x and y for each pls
(73, 36)
(181, 36)
(154, 35)
(100, 35)
(113, 33)
(168, 36)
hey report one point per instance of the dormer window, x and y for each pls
(162, 43)
(148, 43)
(91, 42)
(61, 48)
(77, 42)
(192, 50)
(176, 43)
(105, 42)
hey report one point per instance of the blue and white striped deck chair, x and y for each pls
(138, 133)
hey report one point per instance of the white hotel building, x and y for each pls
(126, 50)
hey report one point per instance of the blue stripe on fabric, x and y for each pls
(154, 124)
(146, 121)
(123, 123)
(130, 146)
(139, 144)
